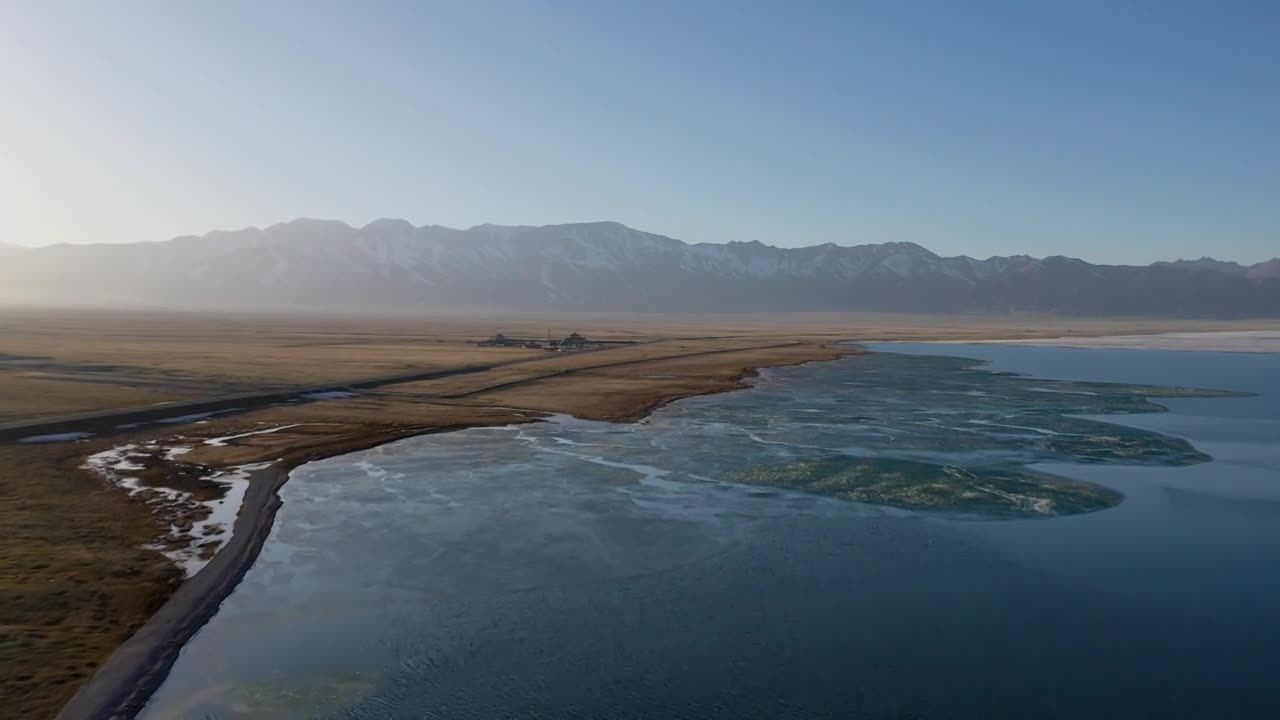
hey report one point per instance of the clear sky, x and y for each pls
(1112, 130)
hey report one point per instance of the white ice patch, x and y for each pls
(373, 472)
(222, 441)
(222, 517)
(56, 437)
(115, 464)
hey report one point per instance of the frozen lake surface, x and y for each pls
(577, 569)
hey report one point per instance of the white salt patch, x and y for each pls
(56, 437)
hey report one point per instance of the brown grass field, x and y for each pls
(54, 362)
(75, 580)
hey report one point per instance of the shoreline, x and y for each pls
(91, 560)
(122, 686)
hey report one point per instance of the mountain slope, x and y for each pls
(1206, 263)
(607, 266)
(1264, 270)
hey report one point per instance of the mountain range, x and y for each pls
(607, 266)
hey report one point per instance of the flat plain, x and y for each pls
(80, 572)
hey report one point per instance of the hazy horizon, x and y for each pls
(1114, 134)
(358, 226)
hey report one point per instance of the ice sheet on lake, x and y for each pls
(1256, 341)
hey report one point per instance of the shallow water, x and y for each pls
(578, 569)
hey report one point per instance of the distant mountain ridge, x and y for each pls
(1269, 268)
(607, 266)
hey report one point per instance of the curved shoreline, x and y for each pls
(122, 686)
(135, 670)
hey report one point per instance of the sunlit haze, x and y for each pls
(627, 359)
(1114, 132)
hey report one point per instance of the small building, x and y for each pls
(499, 340)
(574, 342)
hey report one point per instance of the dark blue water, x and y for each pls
(577, 569)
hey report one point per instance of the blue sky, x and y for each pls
(1114, 131)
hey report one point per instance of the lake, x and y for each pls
(713, 561)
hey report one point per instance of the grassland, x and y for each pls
(74, 578)
(54, 362)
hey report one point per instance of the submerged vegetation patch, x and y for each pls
(944, 433)
(929, 486)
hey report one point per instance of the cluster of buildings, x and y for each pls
(573, 342)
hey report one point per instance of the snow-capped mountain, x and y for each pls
(605, 266)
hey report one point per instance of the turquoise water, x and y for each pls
(579, 569)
